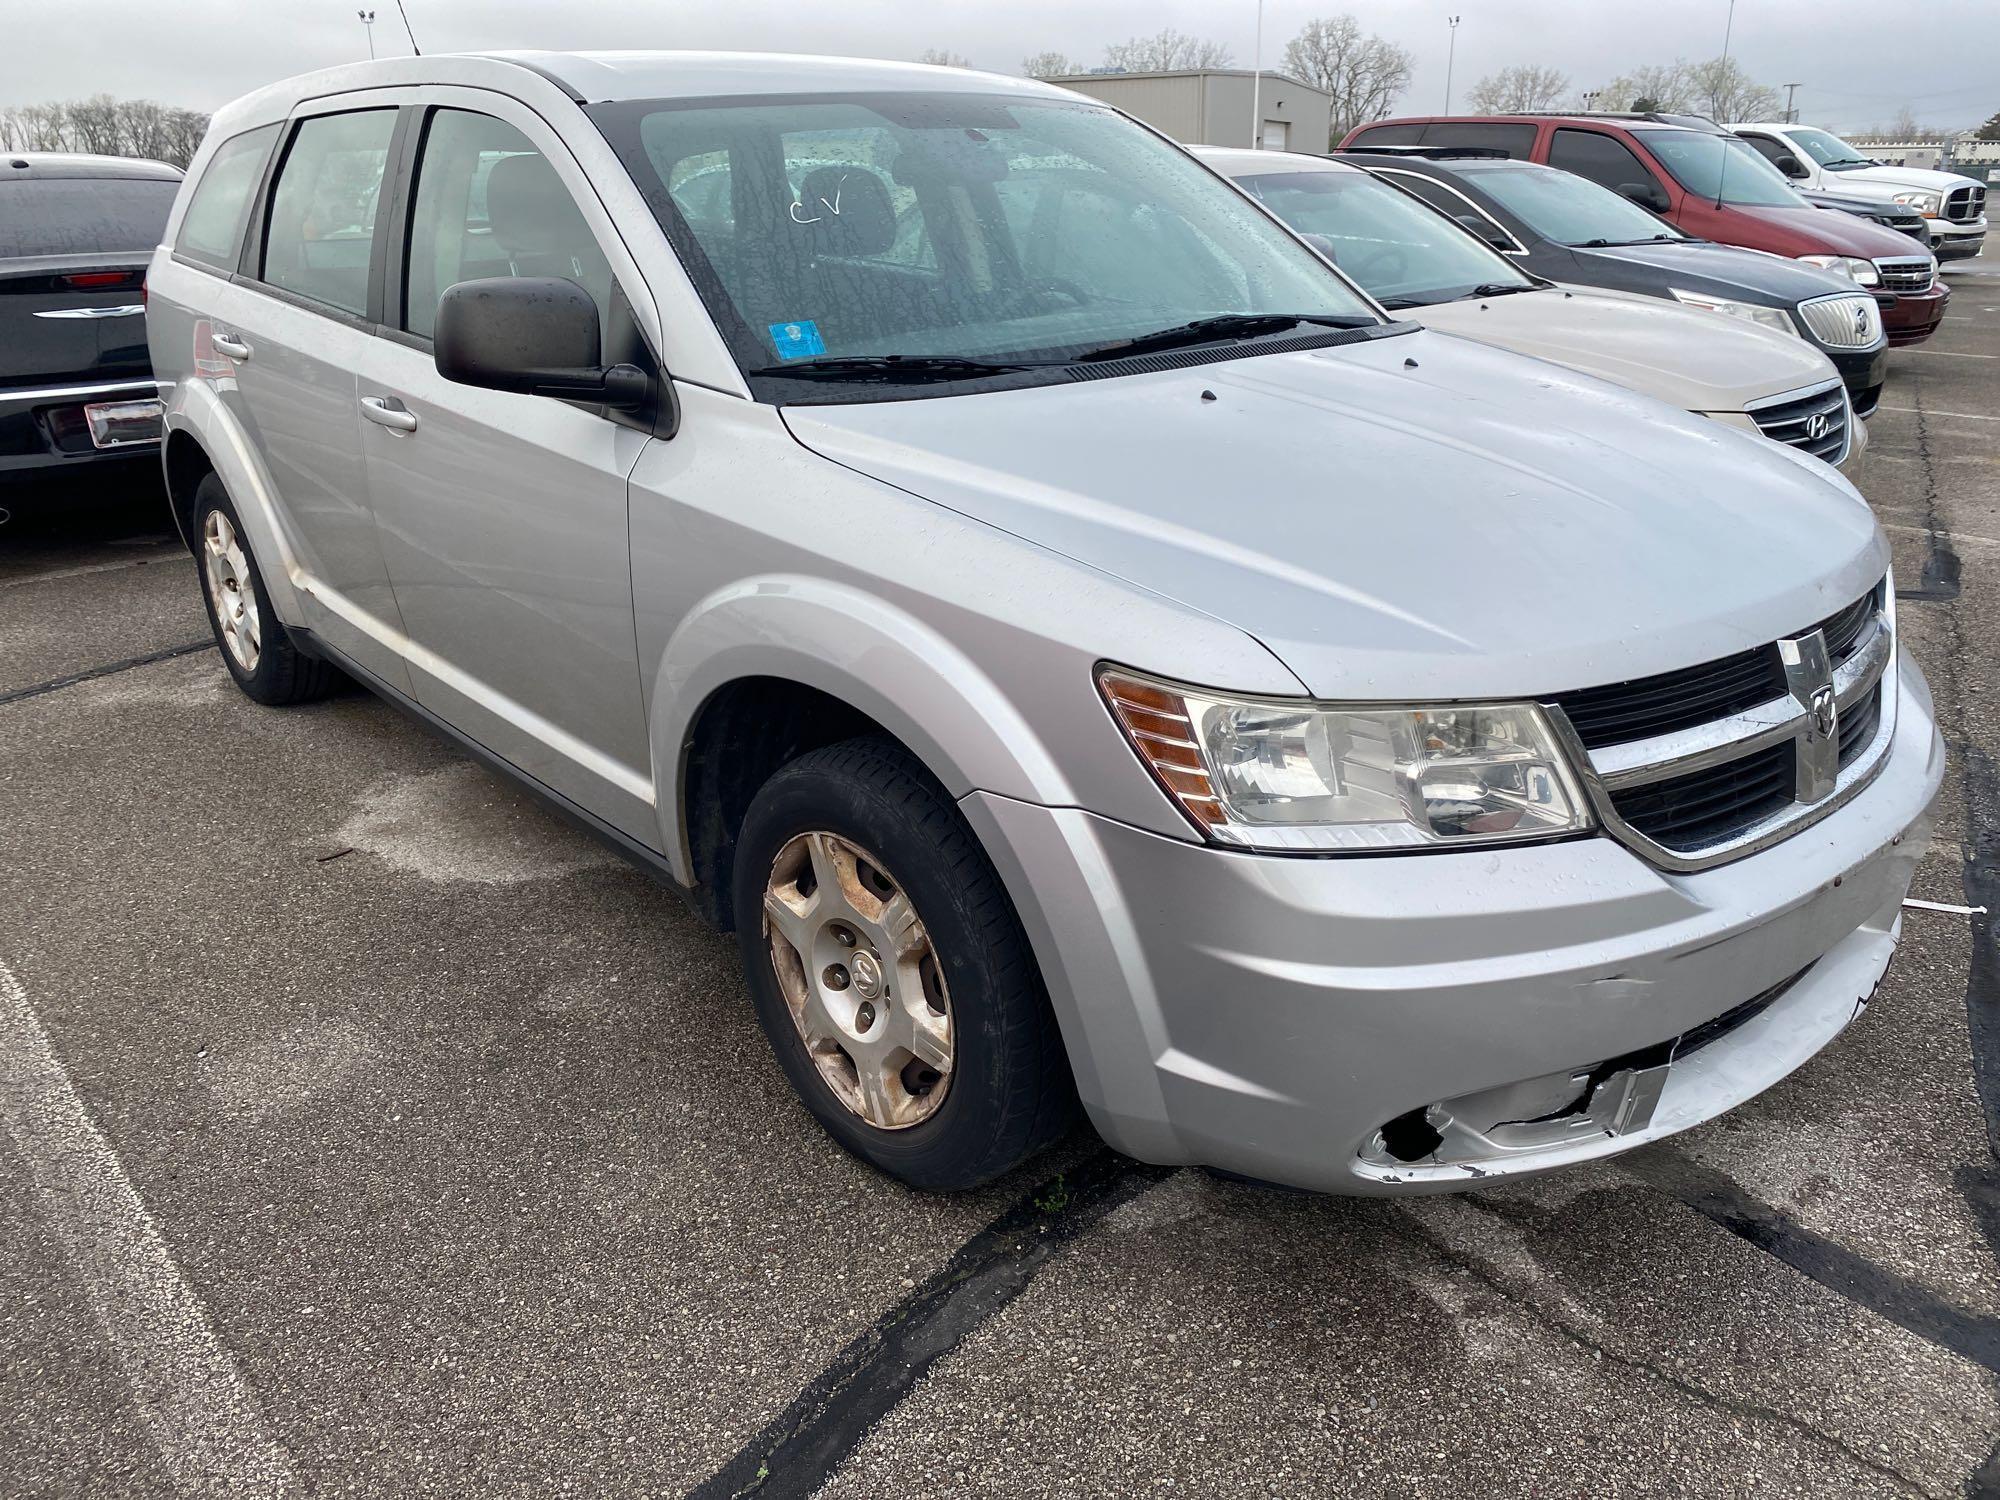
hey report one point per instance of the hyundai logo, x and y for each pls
(1818, 425)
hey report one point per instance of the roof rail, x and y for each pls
(1685, 119)
(1484, 153)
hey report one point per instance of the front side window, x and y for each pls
(322, 220)
(1602, 159)
(1721, 168)
(489, 204)
(948, 226)
(1569, 210)
(1403, 253)
(212, 227)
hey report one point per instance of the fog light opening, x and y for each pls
(1411, 1137)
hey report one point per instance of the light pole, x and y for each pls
(1450, 61)
(1791, 115)
(368, 24)
(1257, 86)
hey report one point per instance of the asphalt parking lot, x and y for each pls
(366, 1131)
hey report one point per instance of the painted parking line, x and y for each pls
(1948, 354)
(201, 1416)
(1931, 411)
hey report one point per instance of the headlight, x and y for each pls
(1765, 317)
(1853, 267)
(1292, 775)
(1930, 205)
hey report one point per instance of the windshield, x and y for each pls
(1568, 209)
(82, 215)
(1829, 150)
(1403, 253)
(1721, 168)
(940, 227)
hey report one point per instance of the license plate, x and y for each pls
(123, 424)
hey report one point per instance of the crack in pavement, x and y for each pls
(1552, 1318)
(109, 669)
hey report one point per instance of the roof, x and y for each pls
(1242, 161)
(688, 75)
(18, 165)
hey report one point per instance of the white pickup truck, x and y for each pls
(1954, 206)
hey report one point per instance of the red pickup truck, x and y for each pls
(1705, 182)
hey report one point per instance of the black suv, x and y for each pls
(1569, 229)
(76, 385)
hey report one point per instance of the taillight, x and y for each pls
(99, 281)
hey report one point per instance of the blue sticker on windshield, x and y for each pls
(797, 340)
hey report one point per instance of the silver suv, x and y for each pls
(1080, 644)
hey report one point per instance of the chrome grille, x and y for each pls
(1846, 320)
(1905, 275)
(1696, 767)
(1964, 204)
(1816, 422)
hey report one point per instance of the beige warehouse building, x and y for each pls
(1215, 106)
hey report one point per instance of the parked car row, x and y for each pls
(1709, 184)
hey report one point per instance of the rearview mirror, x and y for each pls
(536, 335)
(1646, 195)
(1484, 229)
(1791, 166)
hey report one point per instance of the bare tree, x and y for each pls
(182, 130)
(1724, 92)
(1048, 65)
(142, 127)
(1520, 89)
(1168, 52)
(1905, 127)
(95, 127)
(45, 127)
(939, 57)
(1364, 74)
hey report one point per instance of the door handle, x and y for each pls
(387, 411)
(236, 349)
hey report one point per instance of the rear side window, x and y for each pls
(322, 221)
(1386, 135)
(212, 227)
(489, 204)
(1515, 139)
(1604, 159)
(82, 215)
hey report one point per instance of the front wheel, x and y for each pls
(891, 974)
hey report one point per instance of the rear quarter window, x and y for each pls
(212, 227)
(83, 215)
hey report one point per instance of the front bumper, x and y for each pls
(1271, 1015)
(1862, 371)
(1912, 317)
(1956, 240)
(45, 429)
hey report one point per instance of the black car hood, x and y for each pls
(1704, 267)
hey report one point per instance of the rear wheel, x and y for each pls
(255, 647)
(890, 971)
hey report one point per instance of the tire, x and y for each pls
(275, 672)
(1008, 1092)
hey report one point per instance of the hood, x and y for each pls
(1815, 231)
(1881, 182)
(1696, 360)
(1418, 516)
(1704, 266)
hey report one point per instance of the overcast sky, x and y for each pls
(1857, 61)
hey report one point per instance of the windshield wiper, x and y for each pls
(1223, 326)
(894, 367)
(1651, 239)
(1497, 289)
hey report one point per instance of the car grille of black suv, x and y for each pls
(1963, 205)
(1905, 275)
(1708, 763)
(1816, 422)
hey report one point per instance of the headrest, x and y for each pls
(846, 210)
(530, 209)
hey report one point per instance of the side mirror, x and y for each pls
(536, 335)
(1485, 230)
(1323, 244)
(1646, 195)
(1791, 166)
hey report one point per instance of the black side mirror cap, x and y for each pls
(1646, 195)
(1792, 167)
(534, 335)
